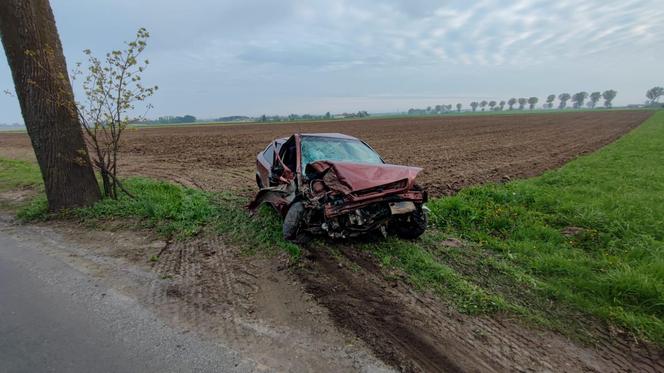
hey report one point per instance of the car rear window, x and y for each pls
(269, 153)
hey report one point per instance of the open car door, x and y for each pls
(280, 173)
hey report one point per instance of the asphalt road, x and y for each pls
(55, 318)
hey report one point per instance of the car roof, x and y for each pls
(334, 135)
(322, 134)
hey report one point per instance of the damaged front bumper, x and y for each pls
(346, 205)
(351, 219)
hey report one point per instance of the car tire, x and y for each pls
(412, 225)
(292, 228)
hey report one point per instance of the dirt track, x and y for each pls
(454, 151)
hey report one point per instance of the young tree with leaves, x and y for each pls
(492, 104)
(459, 106)
(112, 88)
(34, 53)
(501, 105)
(483, 104)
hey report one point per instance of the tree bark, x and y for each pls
(46, 98)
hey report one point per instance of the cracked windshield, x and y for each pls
(334, 149)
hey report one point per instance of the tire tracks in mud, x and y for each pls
(210, 287)
(204, 277)
(199, 280)
(365, 308)
(418, 333)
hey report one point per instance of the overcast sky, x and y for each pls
(212, 57)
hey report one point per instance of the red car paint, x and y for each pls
(363, 184)
(348, 186)
(361, 176)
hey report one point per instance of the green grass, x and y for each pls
(18, 175)
(587, 239)
(169, 209)
(173, 212)
(426, 272)
(22, 177)
(573, 246)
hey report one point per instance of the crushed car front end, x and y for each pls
(337, 185)
(347, 200)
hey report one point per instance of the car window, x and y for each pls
(269, 153)
(336, 149)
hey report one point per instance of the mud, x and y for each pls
(417, 332)
(255, 303)
(455, 151)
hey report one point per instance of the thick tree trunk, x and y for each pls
(45, 94)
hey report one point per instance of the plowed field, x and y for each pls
(454, 151)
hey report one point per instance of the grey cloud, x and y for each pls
(253, 56)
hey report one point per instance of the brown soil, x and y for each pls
(253, 303)
(417, 332)
(454, 151)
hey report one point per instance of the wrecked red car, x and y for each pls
(334, 184)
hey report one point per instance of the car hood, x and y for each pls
(352, 177)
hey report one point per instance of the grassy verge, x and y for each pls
(587, 239)
(18, 175)
(22, 179)
(581, 243)
(172, 211)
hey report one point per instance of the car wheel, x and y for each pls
(410, 226)
(292, 228)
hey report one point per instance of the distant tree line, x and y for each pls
(169, 119)
(292, 117)
(578, 99)
(310, 117)
(243, 118)
(438, 109)
(233, 118)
